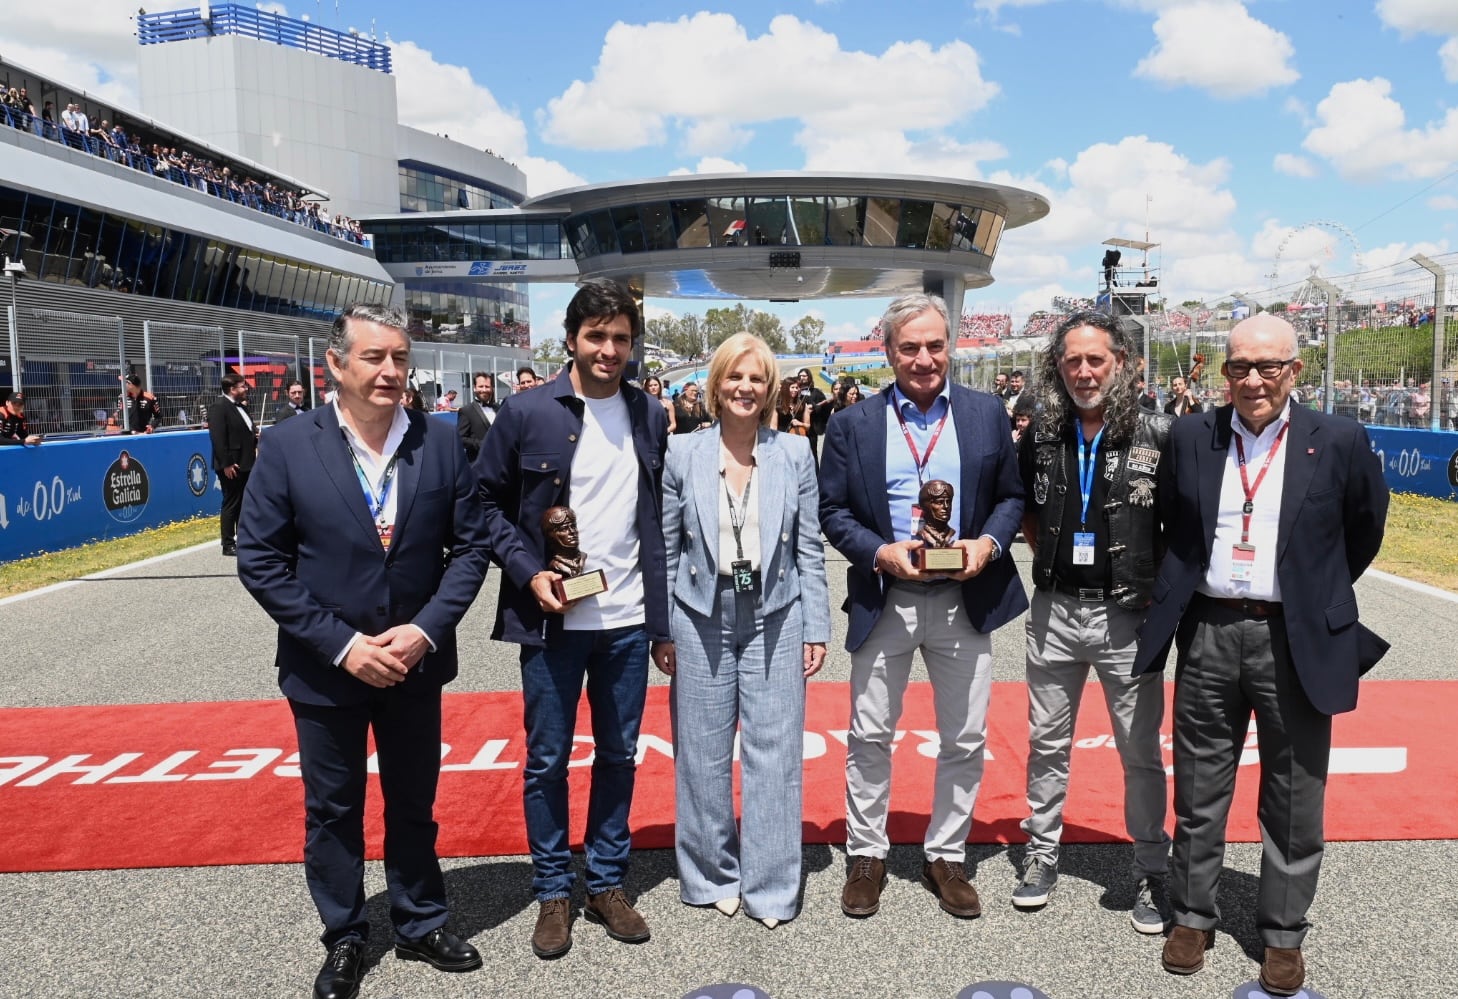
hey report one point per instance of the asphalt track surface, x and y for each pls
(182, 629)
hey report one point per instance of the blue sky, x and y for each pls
(1234, 126)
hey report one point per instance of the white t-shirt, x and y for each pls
(604, 495)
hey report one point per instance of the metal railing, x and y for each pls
(248, 22)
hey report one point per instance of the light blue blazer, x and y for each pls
(791, 549)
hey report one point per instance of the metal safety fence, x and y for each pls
(73, 369)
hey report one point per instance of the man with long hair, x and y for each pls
(1089, 468)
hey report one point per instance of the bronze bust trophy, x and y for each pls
(559, 529)
(937, 532)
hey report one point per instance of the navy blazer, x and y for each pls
(525, 468)
(855, 510)
(1333, 512)
(792, 556)
(309, 553)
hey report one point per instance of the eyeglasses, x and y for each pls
(1266, 369)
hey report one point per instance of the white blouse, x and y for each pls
(749, 530)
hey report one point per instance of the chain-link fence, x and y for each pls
(70, 366)
(183, 365)
(269, 361)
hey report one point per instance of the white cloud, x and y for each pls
(1449, 56)
(472, 115)
(1215, 45)
(1363, 134)
(1385, 256)
(1443, 203)
(710, 164)
(795, 70)
(712, 138)
(1294, 166)
(1434, 17)
(893, 151)
(68, 42)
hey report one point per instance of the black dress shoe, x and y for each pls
(339, 978)
(230, 551)
(442, 950)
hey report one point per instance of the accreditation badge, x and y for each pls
(1242, 562)
(1083, 548)
(387, 534)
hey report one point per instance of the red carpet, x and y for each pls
(166, 785)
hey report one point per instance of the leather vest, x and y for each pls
(1136, 540)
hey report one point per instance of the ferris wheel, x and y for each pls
(1341, 235)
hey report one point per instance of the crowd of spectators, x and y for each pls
(985, 326)
(74, 128)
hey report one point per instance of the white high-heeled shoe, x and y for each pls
(728, 906)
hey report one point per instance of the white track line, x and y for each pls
(67, 584)
(1411, 584)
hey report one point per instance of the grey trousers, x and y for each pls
(739, 670)
(1066, 637)
(959, 665)
(1234, 666)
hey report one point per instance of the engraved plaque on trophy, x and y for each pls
(559, 529)
(937, 532)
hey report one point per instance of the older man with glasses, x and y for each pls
(1275, 510)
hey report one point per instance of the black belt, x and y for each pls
(1086, 594)
(1259, 609)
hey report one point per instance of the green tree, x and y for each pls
(690, 338)
(721, 324)
(807, 336)
(769, 329)
(549, 356)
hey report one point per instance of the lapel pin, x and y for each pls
(1311, 450)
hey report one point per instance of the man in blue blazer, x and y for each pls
(1275, 511)
(590, 441)
(876, 457)
(363, 538)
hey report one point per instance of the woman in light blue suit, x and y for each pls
(750, 619)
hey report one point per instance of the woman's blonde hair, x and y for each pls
(727, 356)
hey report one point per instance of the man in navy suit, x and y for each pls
(590, 441)
(362, 537)
(1275, 512)
(876, 458)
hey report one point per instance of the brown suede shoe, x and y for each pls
(863, 884)
(1184, 951)
(618, 917)
(553, 935)
(948, 882)
(1283, 971)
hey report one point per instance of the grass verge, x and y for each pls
(73, 563)
(1418, 544)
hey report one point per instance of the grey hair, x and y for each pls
(341, 335)
(1121, 401)
(906, 308)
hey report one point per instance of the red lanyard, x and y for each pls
(921, 461)
(1250, 490)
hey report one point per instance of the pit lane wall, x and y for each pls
(1418, 461)
(62, 494)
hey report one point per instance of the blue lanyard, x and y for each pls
(1088, 467)
(376, 505)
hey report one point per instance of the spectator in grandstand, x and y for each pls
(1420, 407)
(1089, 598)
(292, 404)
(366, 642)
(691, 412)
(1181, 398)
(13, 428)
(1256, 591)
(589, 437)
(653, 385)
(143, 411)
(526, 378)
(922, 428)
(235, 447)
(749, 622)
(474, 419)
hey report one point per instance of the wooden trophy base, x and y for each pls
(589, 584)
(940, 559)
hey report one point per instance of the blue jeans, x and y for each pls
(615, 665)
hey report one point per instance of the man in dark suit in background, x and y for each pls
(363, 538)
(1276, 510)
(877, 457)
(292, 404)
(475, 417)
(235, 446)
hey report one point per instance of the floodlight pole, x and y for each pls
(1440, 322)
(1333, 301)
